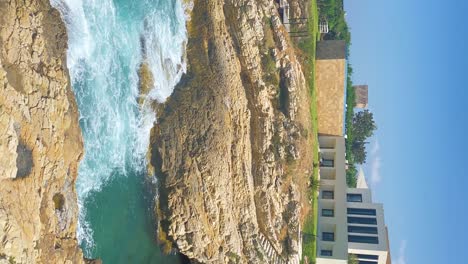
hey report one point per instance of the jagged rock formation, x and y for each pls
(231, 149)
(40, 139)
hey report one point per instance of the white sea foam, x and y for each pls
(165, 44)
(165, 48)
(103, 58)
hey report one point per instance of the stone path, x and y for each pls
(271, 252)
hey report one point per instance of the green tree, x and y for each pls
(351, 179)
(333, 12)
(363, 125)
(359, 152)
(352, 259)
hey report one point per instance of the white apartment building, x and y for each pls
(349, 222)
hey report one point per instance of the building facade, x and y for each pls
(362, 95)
(330, 77)
(348, 222)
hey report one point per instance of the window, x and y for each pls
(327, 147)
(328, 236)
(327, 195)
(327, 163)
(367, 262)
(328, 212)
(362, 229)
(361, 211)
(326, 253)
(354, 197)
(363, 239)
(362, 220)
(365, 256)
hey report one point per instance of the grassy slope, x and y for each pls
(309, 247)
(310, 226)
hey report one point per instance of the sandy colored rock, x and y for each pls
(146, 81)
(40, 140)
(231, 149)
(330, 79)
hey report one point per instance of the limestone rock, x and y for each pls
(40, 140)
(231, 149)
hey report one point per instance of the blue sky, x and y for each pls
(413, 55)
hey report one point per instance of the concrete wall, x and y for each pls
(361, 92)
(336, 182)
(380, 249)
(366, 194)
(331, 50)
(321, 260)
(382, 254)
(334, 179)
(330, 80)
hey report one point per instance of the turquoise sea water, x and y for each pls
(123, 231)
(107, 41)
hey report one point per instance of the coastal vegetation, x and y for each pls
(307, 48)
(350, 104)
(271, 74)
(352, 259)
(363, 128)
(359, 126)
(333, 12)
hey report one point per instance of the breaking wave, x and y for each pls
(105, 40)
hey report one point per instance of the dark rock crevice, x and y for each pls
(24, 160)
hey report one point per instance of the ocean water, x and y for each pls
(107, 41)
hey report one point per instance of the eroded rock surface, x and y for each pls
(40, 140)
(231, 148)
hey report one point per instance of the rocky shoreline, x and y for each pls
(231, 146)
(40, 143)
(230, 149)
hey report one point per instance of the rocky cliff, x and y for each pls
(40, 139)
(231, 148)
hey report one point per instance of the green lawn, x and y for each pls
(309, 246)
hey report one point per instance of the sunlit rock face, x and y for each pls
(231, 148)
(40, 140)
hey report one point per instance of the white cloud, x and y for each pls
(375, 164)
(375, 147)
(401, 258)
